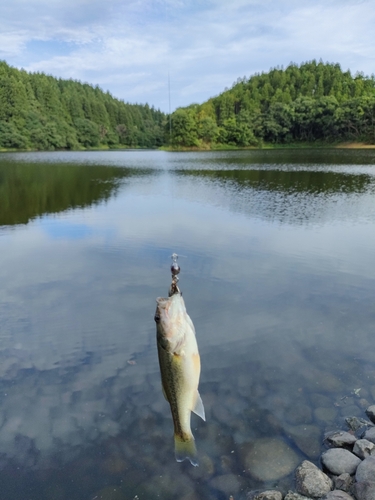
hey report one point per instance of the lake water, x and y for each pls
(277, 270)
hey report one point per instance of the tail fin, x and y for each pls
(185, 449)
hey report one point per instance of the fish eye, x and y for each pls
(157, 318)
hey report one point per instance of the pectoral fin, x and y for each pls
(198, 408)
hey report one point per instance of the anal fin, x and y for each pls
(199, 408)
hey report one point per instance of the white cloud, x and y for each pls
(129, 48)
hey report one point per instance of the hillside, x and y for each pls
(42, 112)
(315, 101)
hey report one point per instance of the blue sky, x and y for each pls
(129, 47)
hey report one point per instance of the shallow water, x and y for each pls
(276, 253)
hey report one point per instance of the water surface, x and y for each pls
(277, 274)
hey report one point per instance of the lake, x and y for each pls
(276, 250)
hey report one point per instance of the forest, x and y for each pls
(41, 112)
(315, 102)
(311, 103)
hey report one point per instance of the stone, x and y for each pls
(340, 439)
(311, 481)
(307, 438)
(370, 412)
(363, 448)
(338, 461)
(229, 484)
(352, 410)
(269, 459)
(265, 495)
(366, 470)
(364, 490)
(337, 495)
(292, 495)
(325, 414)
(355, 423)
(298, 414)
(343, 482)
(370, 435)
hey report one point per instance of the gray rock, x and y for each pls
(307, 438)
(340, 438)
(325, 414)
(298, 414)
(364, 490)
(311, 481)
(338, 461)
(363, 448)
(337, 495)
(265, 495)
(269, 459)
(352, 410)
(356, 423)
(370, 412)
(370, 435)
(343, 482)
(366, 471)
(292, 495)
(227, 483)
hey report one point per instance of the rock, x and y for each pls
(229, 484)
(265, 495)
(343, 482)
(370, 435)
(110, 493)
(370, 412)
(352, 410)
(363, 448)
(337, 495)
(292, 495)
(340, 438)
(311, 481)
(366, 471)
(269, 459)
(338, 461)
(325, 414)
(355, 423)
(364, 490)
(307, 438)
(298, 414)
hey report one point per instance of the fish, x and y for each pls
(180, 369)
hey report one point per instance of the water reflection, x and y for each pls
(29, 190)
(283, 313)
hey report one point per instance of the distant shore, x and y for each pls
(219, 147)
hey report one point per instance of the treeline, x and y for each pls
(311, 102)
(42, 112)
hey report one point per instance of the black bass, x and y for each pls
(180, 370)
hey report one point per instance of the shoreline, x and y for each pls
(341, 145)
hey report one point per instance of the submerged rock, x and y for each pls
(307, 438)
(229, 484)
(338, 461)
(269, 459)
(311, 481)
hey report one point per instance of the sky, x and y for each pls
(172, 53)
